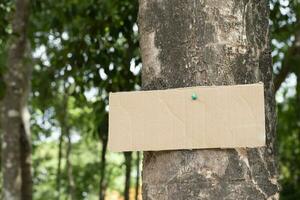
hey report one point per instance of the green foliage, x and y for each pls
(285, 27)
(85, 49)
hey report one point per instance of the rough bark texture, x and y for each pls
(198, 42)
(16, 147)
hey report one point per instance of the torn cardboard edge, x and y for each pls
(219, 117)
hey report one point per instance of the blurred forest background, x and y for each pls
(82, 50)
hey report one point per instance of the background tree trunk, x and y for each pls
(128, 159)
(103, 135)
(26, 162)
(17, 182)
(71, 182)
(58, 173)
(137, 180)
(66, 131)
(189, 43)
(103, 184)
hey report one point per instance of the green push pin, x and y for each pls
(194, 96)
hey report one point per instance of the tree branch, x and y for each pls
(288, 65)
(283, 73)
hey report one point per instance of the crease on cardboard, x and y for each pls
(169, 109)
(247, 102)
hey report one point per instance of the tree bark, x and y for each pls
(128, 158)
(16, 147)
(197, 42)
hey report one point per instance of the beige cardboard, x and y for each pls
(221, 117)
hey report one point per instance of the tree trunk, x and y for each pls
(25, 145)
(137, 182)
(191, 43)
(103, 184)
(128, 158)
(71, 186)
(103, 135)
(58, 173)
(15, 119)
(66, 131)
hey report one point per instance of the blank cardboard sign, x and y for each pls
(187, 118)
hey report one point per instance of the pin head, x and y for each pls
(194, 96)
